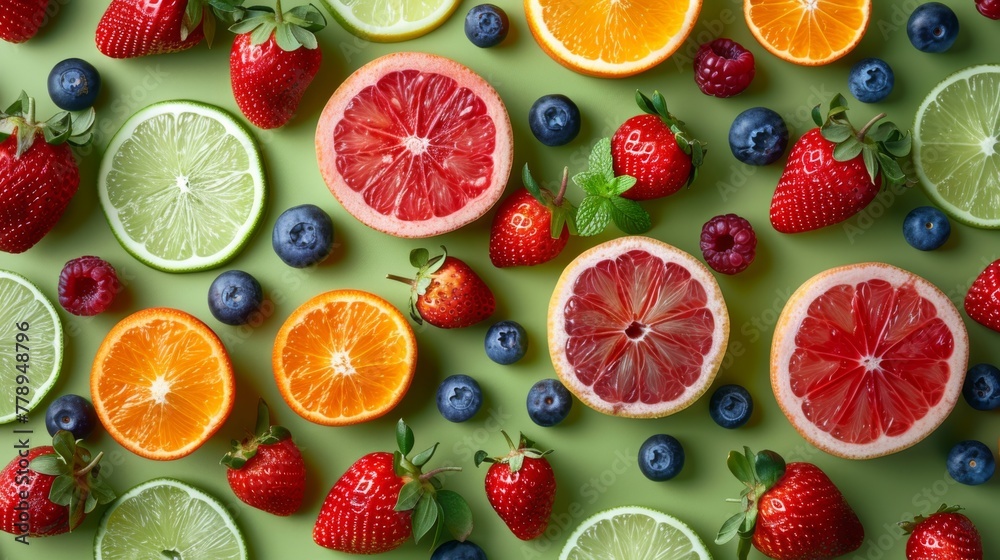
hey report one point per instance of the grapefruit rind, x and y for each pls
(783, 345)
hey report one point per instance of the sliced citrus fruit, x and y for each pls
(166, 518)
(637, 328)
(344, 357)
(610, 39)
(634, 532)
(32, 346)
(162, 383)
(956, 145)
(868, 359)
(808, 32)
(415, 145)
(387, 21)
(182, 186)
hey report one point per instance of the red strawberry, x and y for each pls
(944, 535)
(383, 498)
(982, 303)
(521, 487)
(656, 150)
(274, 58)
(29, 505)
(793, 511)
(446, 292)
(134, 28)
(38, 173)
(20, 19)
(266, 470)
(835, 171)
(531, 226)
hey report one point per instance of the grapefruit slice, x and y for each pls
(868, 359)
(415, 145)
(637, 328)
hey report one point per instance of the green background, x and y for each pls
(595, 454)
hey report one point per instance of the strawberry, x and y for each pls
(133, 28)
(20, 19)
(944, 535)
(531, 226)
(274, 58)
(656, 150)
(982, 302)
(38, 173)
(266, 470)
(49, 490)
(383, 498)
(446, 292)
(521, 487)
(835, 171)
(792, 512)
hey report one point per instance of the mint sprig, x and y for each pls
(604, 203)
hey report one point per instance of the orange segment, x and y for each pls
(344, 357)
(609, 38)
(808, 32)
(162, 383)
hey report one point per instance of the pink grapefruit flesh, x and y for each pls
(868, 359)
(415, 145)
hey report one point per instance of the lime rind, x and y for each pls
(194, 149)
(636, 532)
(388, 21)
(20, 301)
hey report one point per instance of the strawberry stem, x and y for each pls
(91, 466)
(562, 187)
(277, 12)
(400, 279)
(29, 114)
(430, 474)
(864, 129)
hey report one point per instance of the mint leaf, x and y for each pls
(621, 184)
(629, 216)
(591, 183)
(600, 160)
(593, 215)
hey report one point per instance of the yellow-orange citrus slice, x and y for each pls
(344, 357)
(610, 38)
(162, 383)
(808, 32)
(868, 359)
(637, 328)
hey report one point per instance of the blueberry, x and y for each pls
(731, 406)
(549, 402)
(455, 550)
(554, 119)
(74, 84)
(72, 413)
(661, 457)
(459, 398)
(926, 228)
(932, 27)
(233, 296)
(486, 25)
(506, 342)
(971, 462)
(303, 236)
(758, 136)
(982, 387)
(871, 80)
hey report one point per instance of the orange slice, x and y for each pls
(344, 357)
(611, 39)
(162, 383)
(808, 32)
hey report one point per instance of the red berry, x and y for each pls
(989, 8)
(87, 285)
(723, 68)
(728, 243)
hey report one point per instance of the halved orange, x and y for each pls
(611, 39)
(808, 32)
(344, 357)
(162, 383)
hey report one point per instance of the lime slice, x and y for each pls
(956, 145)
(182, 186)
(166, 518)
(386, 21)
(31, 345)
(634, 533)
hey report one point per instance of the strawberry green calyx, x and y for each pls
(525, 448)
(881, 146)
(563, 212)
(205, 12)
(292, 29)
(426, 267)
(687, 143)
(758, 472)
(264, 434)
(434, 508)
(604, 202)
(78, 482)
(19, 118)
(909, 526)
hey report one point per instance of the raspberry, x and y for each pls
(87, 285)
(723, 68)
(728, 243)
(989, 8)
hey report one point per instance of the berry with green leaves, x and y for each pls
(532, 225)
(446, 292)
(129, 29)
(521, 487)
(942, 535)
